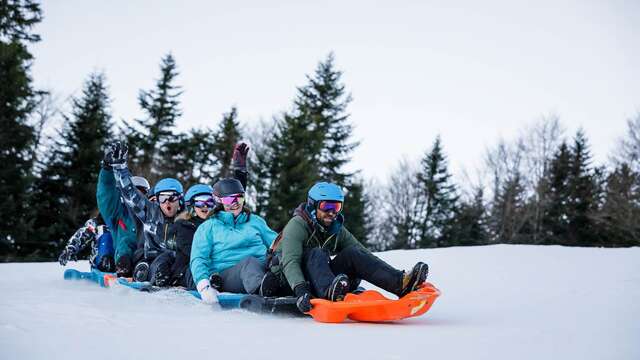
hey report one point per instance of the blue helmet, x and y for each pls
(324, 191)
(197, 189)
(168, 184)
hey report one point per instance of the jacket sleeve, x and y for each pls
(138, 203)
(266, 233)
(242, 176)
(293, 238)
(201, 250)
(184, 237)
(108, 198)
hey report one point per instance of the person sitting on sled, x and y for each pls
(303, 254)
(95, 233)
(199, 203)
(126, 229)
(229, 249)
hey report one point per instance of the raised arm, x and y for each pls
(116, 157)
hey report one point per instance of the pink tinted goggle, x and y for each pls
(230, 199)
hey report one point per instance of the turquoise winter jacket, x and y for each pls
(116, 215)
(222, 241)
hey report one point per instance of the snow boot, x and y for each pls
(415, 278)
(216, 282)
(123, 266)
(141, 272)
(339, 288)
(269, 285)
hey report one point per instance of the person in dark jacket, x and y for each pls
(303, 254)
(199, 202)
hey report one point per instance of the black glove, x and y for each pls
(123, 266)
(304, 298)
(107, 264)
(68, 254)
(239, 159)
(216, 281)
(115, 156)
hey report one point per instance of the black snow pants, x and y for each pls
(320, 270)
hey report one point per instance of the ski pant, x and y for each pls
(244, 277)
(320, 270)
(160, 269)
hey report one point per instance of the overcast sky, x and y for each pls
(471, 71)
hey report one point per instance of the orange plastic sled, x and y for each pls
(372, 306)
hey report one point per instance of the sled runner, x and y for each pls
(252, 303)
(372, 306)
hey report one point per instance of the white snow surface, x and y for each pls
(497, 302)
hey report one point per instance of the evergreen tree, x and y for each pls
(225, 138)
(17, 101)
(437, 200)
(66, 191)
(470, 223)
(618, 218)
(292, 169)
(355, 212)
(584, 194)
(311, 144)
(148, 146)
(555, 220)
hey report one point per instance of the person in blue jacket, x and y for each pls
(229, 249)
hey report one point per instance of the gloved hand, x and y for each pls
(239, 158)
(68, 254)
(208, 294)
(304, 297)
(116, 156)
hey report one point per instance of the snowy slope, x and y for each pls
(498, 302)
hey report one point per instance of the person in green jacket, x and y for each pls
(303, 254)
(125, 228)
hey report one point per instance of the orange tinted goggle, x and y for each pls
(335, 206)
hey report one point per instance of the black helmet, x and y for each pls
(226, 187)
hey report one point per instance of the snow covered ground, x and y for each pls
(498, 302)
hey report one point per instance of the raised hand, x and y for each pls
(116, 156)
(239, 159)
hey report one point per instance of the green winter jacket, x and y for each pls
(116, 215)
(302, 233)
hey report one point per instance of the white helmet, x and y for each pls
(140, 182)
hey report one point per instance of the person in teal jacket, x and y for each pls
(229, 249)
(125, 229)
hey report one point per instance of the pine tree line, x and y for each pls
(542, 188)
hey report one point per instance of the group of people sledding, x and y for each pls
(207, 239)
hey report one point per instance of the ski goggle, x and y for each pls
(163, 198)
(231, 199)
(203, 201)
(328, 206)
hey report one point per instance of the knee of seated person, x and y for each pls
(352, 250)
